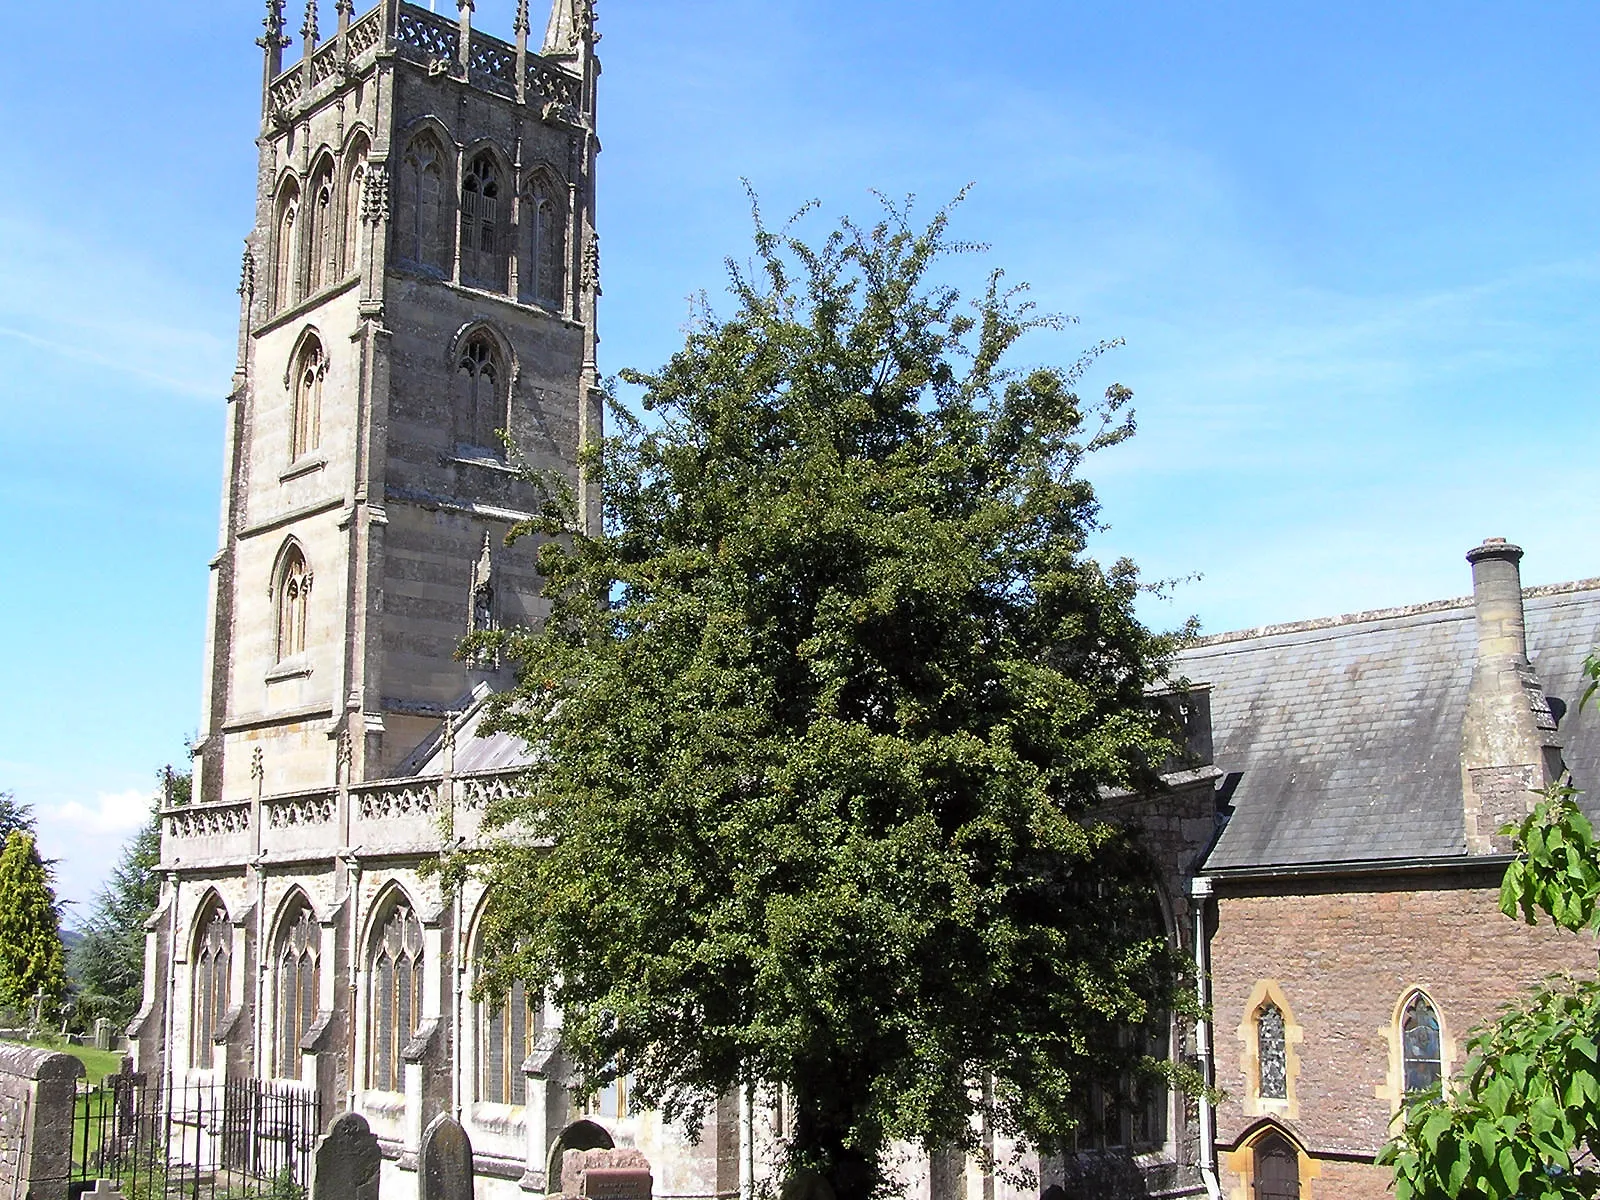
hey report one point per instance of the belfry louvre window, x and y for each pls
(354, 191)
(286, 249)
(507, 1029)
(298, 964)
(1420, 1048)
(320, 248)
(212, 978)
(1272, 1054)
(293, 601)
(396, 1008)
(483, 251)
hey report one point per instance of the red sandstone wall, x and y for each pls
(1343, 959)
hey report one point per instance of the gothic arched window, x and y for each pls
(422, 224)
(1420, 1049)
(1276, 1168)
(1272, 1054)
(285, 249)
(480, 400)
(507, 1029)
(293, 600)
(213, 976)
(355, 182)
(396, 1007)
(323, 221)
(483, 250)
(305, 422)
(541, 271)
(299, 955)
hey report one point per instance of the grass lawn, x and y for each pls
(96, 1063)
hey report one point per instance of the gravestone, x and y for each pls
(346, 1166)
(446, 1161)
(606, 1174)
(105, 1189)
(102, 1033)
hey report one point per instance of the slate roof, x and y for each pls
(1346, 732)
(475, 752)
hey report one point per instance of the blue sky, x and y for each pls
(1354, 251)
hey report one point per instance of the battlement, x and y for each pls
(552, 81)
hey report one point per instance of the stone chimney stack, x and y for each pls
(1509, 749)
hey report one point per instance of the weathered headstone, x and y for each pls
(446, 1161)
(104, 1189)
(102, 1033)
(606, 1174)
(346, 1166)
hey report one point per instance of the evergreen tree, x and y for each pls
(107, 964)
(16, 815)
(32, 960)
(823, 717)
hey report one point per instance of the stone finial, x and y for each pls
(571, 25)
(1509, 748)
(346, 9)
(520, 24)
(273, 40)
(308, 31)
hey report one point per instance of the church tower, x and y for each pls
(417, 341)
(417, 321)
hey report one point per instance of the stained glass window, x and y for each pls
(1419, 1044)
(1272, 1054)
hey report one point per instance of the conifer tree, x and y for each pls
(14, 815)
(32, 960)
(823, 718)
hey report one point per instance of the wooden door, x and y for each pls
(1277, 1169)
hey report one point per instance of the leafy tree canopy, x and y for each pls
(32, 961)
(1524, 1118)
(823, 716)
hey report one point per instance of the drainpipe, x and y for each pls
(1200, 892)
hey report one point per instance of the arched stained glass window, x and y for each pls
(212, 982)
(299, 952)
(396, 1006)
(1271, 1054)
(1420, 1048)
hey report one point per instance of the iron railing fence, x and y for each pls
(239, 1140)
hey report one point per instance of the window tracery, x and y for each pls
(1272, 1054)
(305, 426)
(293, 601)
(285, 247)
(481, 398)
(1421, 1049)
(422, 227)
(396, 1005)
(508, 1029)
(483, 256)
(212, 983)
(541, 277)
(1129, 1112)
(320, 244)
(355, 183)
(299, 954)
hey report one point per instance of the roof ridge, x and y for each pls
(1314, 624)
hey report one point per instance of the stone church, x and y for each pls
(423, 274)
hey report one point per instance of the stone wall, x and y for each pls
(37, 1088)
(1340, 957)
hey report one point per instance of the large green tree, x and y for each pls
(1522, 1120)
(823, 716)
(32, 960)
(107, 964)
(15, 815)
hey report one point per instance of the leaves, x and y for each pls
(32, 961)
(823, 717)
